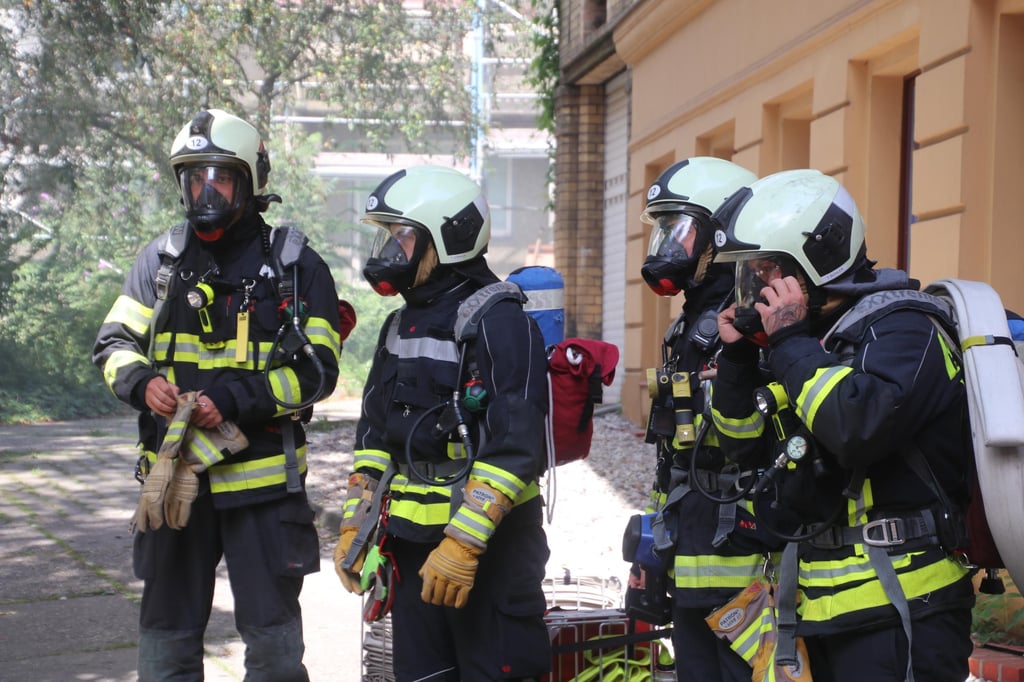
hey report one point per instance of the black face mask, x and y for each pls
(667, 276)
(389, 278)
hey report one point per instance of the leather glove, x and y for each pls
(202, 448)
(150, 512)
(181, 493)
(450, 570)
(356, 512)
(350, 580)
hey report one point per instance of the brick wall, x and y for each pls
(579, 197)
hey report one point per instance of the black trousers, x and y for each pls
(700, 655)
(941, 648)
(500, 633)
(268, 549)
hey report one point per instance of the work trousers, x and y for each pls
(267, 548)
(700, 655)
(941, 648)
(500, 633)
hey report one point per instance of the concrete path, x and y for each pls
(69, 603)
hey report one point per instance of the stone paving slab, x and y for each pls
(68, 599)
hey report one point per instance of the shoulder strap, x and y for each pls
(472, 310)
(171, 248)
(286, 244)
(874, 306)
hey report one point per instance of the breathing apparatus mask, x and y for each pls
(215, 197)
(677, 254)
(753, 274)
(395, 258)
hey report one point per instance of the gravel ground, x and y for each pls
(593, 498)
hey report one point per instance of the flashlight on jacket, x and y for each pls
(661, 384)
(199, 299)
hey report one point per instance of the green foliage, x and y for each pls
(544, 71)
(93, 93)
(998, 618)
(357, 354)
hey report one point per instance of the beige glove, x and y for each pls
(358, 501)
(349, 579)
(202, 448)
(150, 512)
(450, 570)
(181, 493)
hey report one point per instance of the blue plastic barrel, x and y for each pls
(545, 288)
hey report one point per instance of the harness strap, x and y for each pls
(890, 532)
(369, 524)
(785, 618)
(291, 456)
(894, 591)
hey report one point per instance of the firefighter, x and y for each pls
(711, 561)
(874, 463)
(462, 516)
(196, 342)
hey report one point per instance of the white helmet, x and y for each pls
(415, 208)
(679, 205)
(803, 214)
(441, 200)
(221, 165)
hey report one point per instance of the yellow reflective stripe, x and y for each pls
(473, 523)
(655, 501)
(419, 512)
(118, 360)
(948, 357)
(915, 583)
(745, 428)
(348, 509)
(130, 313)
(816, 389)
(321, 333)
(711, 571)
(203, 448)
(284, 385)
(377, 460)
(259, 473)
(499, 479)
(747, 642)
(189, 349)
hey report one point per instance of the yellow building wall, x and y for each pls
(820, 83)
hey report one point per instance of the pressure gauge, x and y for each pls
(796, 448)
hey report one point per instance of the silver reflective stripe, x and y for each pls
(545, 299)
(425, 347)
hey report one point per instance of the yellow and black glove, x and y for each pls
(358, 502)
(150, 512)
(450, 570)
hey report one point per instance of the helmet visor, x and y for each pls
(757, 271)
(212, 189)
(674, 234)
(395, 243)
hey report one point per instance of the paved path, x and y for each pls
(69, 603)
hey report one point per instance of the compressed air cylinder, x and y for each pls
(545, 289)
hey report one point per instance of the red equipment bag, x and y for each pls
(577, 370)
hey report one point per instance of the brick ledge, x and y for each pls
(998, 663)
